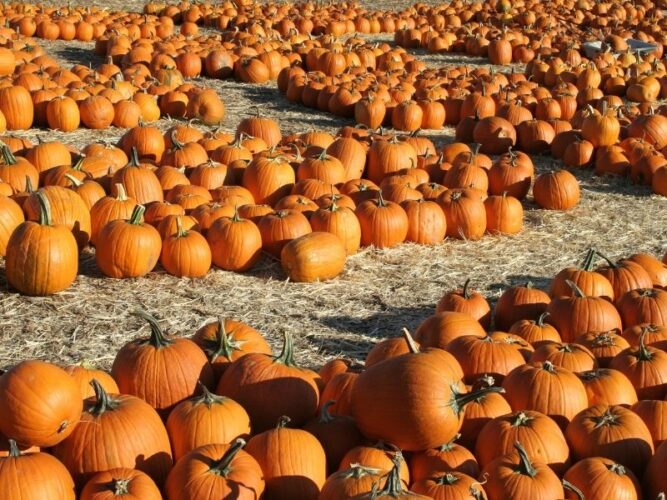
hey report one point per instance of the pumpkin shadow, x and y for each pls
(157, 466)
(77, 53)
(88, 265)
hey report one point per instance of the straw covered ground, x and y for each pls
(379, 293)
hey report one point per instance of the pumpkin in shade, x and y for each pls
(612, 432)
(129, 484)
(378, 457)
(292, 460)
(526, 388)
(423, 394)
(37, 476)
(226, 340)
(599, 477)
(653, 334)
(558, 190)
(271, 386)
(643, 305)
(236, 243)
(450, 456)
(654, 414)
(540, 435)
(512, 173)
(580, 314)
(161, 370)
(603, 345)
(206, 419)
(185, 253)
(646, 367)
(655, 480)
(465, 300)
(591, 283)
(83, 374)
(495, 134)
(450, 484)
(41, 258)
(116, 431)
(518, 475)
(216, 471)
(519, 302)
(624, 276)
(40, 403)
(390, 348)
(656, 269)
(128, 248)
(337, 434)
(482, 410)
(607, 386)
(441, 328)
(279, 228)
(317, 256)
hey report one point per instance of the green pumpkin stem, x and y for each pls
(121, 487)
(460, 400)
(236, 217)
(222, 466)
(575, 288)
(157, 338)
(466, 289)
(286, 356)
(120, 189)
(44, 209)
(589, 260)
(570, 487)
(394, 486)
(207, 397)
(225, 346)
(137, 215)
(102, 400)
(412, 345)
(525, 466)
(7, 155)
(643, 354)
(611, 263)
(521, 419)
(14, 450)
(326, 417)
(449, 445)
(73, 180)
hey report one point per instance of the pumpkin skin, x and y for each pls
(450, 457)
(83, 374)
(17, 107)
(185, 253)
(519, 302)
(146, 368)
(480, 411)
(130, 484)
(646, 367)
(465, 301)
(128, 248)
(536, 332)
(465, 214)
(654, 415)
(655, 481)
(573, 357)
(340, 221)
(48, 477)
(41, 258)
(517, 475)
(378, 457)
(384, 224)
(440, 329)
(480, 356)
(556, 190)
(293, 461)
(599, 477)
(236, 243)
(624, 276)
(52, 392)
(347, 483)
(269, 387)
(206, 419)
(104, 442)
(279, 228)
(643, 305)
(216, 471)
(656, 269)
(11, 216)
(317, 256)
(612, 432)
(262, 127)
(452, 485)
(539, 434)
(109, 208)
(591, 283)
(526, 386)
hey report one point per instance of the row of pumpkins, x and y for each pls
(564, 399)
(190, 200)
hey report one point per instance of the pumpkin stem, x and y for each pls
(577, 291)
(525, 466)
(7, 155)
(73, 180)
(521, 419)
(643, 354)
(180, 232)
(157, 338)
(570, 487)
(380, 200)
(225, 346)
(394, 486)
(222, 466)
(207, 397)
(122, 195)
(612, 264)
(137, 215)
(549, 367)
(174, 140)
(103, 401)
(236, 217)
(28, 185)
(121, 487)
(134, 158)
(286, 356)
(617, 469)
(44, 209)
(466, 290)
(446, 479)
(282, 422)
(460, 400)
(14, 450)
(325, 416)
(412, 345)
(540, 320)
(450, 444)
(589, 260)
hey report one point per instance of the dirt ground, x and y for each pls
(380, 292)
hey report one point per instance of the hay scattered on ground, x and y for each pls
(380, 292)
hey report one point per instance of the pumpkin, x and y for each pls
(573, 357)
(316, 256)
(652, 334)
(17, 171)
(484, 408)
(607, 386)
(646, 367)
(385, 157)
(393, 487)
(139, 181)
(40, 403)
(108, 209)
(348, 483)
(96, 111)
(17, 107)
(520, 476)
(465, 214)
(11, 217)
(495, 134)
(339, 221)
(279, 228)
(591, 283)
(655, 481)
(236, 243)
(526, 386)
(481, 356)
(207, 107)
(441, 328)
(652, 412)
(62, 113)
(612, 432)
(448, 457)
(219, 470)
(535, 332)
(262, 127)
(603, 345)
(145, 368)
(83, 374)
(185, 253)
(293, 461)
(269, 387)
(557, 190)
(379, 457)
(519, 302)
(656, 269)
(504, 215)
(128, 248)
(450, 484)
(41, 258)
(643, 305)
(598, 477)
(512, 174)
(48, 478)
(94, 446)
(269, 179)
(624, 276)
(465, 301)
(206, 419)
(130, 484)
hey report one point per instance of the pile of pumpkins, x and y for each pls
(190, 199)
(564, 398)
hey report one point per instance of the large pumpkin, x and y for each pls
(116, 431)
(317, 256)
(598, 477)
